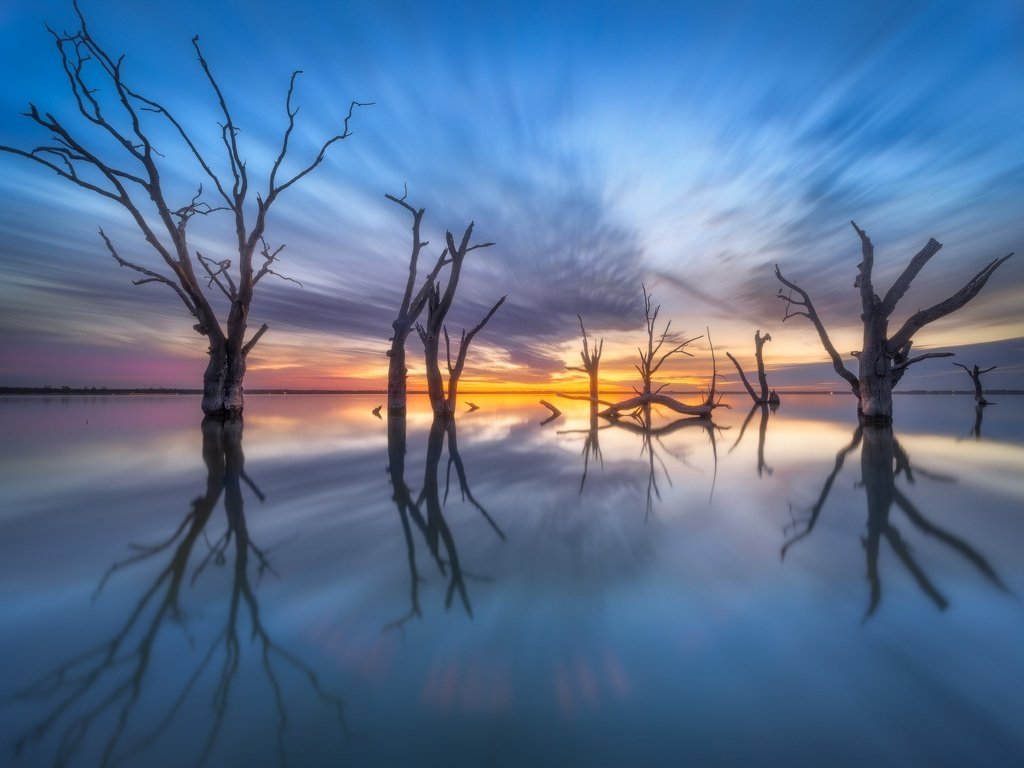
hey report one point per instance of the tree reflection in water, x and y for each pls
(883, 460)
(762, 432)
(640, 421)
(432, 524)
(102, 687)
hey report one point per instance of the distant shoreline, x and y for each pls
(142, 391)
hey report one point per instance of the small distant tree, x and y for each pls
(117, 121)
(764, 398)
(884, 357)
(975, 374)
(591, 361)
(430, 331)
(661, 347)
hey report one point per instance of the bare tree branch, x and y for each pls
(922, 317)
(903, 282)
(152, 277)
(812, 315)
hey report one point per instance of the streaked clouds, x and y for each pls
(688, 145)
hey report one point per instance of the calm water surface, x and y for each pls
(332, 590)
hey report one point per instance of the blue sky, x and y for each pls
(688, 145)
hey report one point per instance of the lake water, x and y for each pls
(323, 592)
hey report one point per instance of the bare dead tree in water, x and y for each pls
(455, 371)
(120, 125)
(439, 302)
(975, 374)
(884, 357)
(105, 684)
(413, 302)
(764, 397)
(883, 460)
(660, 348)
(591, 361)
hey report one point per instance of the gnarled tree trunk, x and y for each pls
(883, 359)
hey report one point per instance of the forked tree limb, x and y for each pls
(922, 317)
(811, 314)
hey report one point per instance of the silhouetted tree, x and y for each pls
(430, 332)
(410, 308)
(975, 374)
(591, 361)
(661, 347)
(884, 358)
(764, 397)
(115, 158)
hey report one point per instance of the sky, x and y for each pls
(685, 146)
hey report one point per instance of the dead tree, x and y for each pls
(115, 158)
(430, 332)
(650, 363)
(883, 358)
(455, 371)
(410, 308)
(591, 361)
(975, 375)
(765, 397)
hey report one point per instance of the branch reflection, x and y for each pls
(762, 432)
(426, 512)
(640, 421)
(883, 460)
(101, 688)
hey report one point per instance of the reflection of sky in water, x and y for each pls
(600, 633)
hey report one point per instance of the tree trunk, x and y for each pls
(875, 379)
(223, 395)
(435, 383)
(397, 372)
(453, 393)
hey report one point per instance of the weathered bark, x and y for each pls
(975, 374)
(703, 409)
(127, 171)
(883, 359)
(765, 397)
